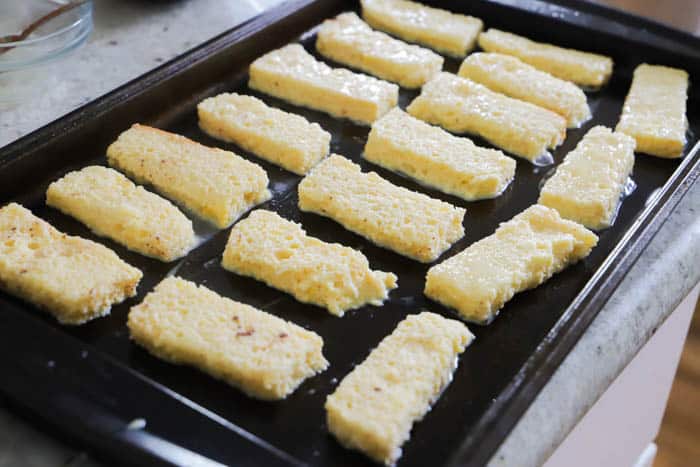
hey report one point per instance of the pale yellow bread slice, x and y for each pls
(436, 158)
(409, 223)
(514, 78)
(449, 33)
(280, 137)
(214, 184)
(587, 186)
(583, 68)
(292, 74)
(348, 40)
(654, 113)
(262, 355)
(112, 206)
(278, 252)
(74, 279)
(522, 254)
(375, 406)
(461, 105)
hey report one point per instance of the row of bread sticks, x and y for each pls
(510, 100)
(491, 98)
(520, 68)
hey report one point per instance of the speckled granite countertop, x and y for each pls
(133, 37)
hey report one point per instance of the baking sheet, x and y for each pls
(90, 383)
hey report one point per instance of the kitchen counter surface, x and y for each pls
(132, 37)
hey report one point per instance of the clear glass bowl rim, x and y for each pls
(82, 24)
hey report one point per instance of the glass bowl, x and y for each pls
(54, 37)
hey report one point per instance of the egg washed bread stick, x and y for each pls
(262, 355)
(654, 113)
(375, 406)
(214, 184)
(583, 68)
(449, 33)
(436, 158)
(283, 138)
(292, 74)
(514, 78)
(74, 279)
(409, 223)
(348, 40)
(461, 105)
(587, 186)
(522, 254)
(112, 206)
(329, 275)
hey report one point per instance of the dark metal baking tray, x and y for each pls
(89, 383)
